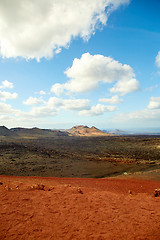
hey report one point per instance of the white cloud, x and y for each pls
(125, 86)
(54, 105)
(97, 110)
(33, 101)
(58, 89)
(5, 108)
(39, 28)
(142, 118)
(42, 92)
(76, 104)
(70, 104)
(158, 60)
(154, 103)
(43, 111)
(6, 84)
(113, 100)
(58, 50)
(7, 95)
(87, 72)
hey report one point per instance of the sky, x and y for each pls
(83, 62)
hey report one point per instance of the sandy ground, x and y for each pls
(59, 208)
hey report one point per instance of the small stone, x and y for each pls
(38, 187)
(157, 192)
(7, 188)
(130, 192)
(80, 191)
(51, 188)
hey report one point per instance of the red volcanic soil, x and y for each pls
(54, 208)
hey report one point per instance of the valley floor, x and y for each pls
(83, 157)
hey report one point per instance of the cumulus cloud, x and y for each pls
(113, 100)
(54, 105)
(77, 104)
(42, 92)
(154, 103)
(33, 101)
(47, 108)
(5, 108)
(7, 95)
(43, 111)
(58, 89)
(87, 72)
(158, 60)
(70, 104)
(6, 84)
(125, 86)
(145, 117)
(97, 110)
(40, 28)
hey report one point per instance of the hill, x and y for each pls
(4, 131)
(118, 132)
(37, 132)
(81, 130)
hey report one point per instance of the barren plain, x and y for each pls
(89, 157)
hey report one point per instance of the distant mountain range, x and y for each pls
(79, 130)
(118, 132)
(28, 132)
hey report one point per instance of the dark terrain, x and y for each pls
(119, 207)
(60, 155)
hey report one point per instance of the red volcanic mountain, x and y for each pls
(81, 130)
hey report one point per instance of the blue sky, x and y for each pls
(91, 62)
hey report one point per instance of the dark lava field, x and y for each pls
(83, 157)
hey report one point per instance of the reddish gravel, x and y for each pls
(54, 208)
